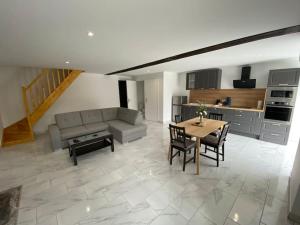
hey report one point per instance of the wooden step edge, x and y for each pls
(16, 142)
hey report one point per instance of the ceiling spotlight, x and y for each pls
(90, 34)
(67, 62)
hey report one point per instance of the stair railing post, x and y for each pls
(54, 83)
(58, 76)
(48, 81)
(27, 109)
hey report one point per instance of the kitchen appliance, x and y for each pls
(245, 81)
(277, 112)
(227, 101)
(177, 102)
(283, 95)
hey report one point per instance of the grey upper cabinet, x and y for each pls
(214, 79)
(284, 77)
(204, 79)
(191, 81)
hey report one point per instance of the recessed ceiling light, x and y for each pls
(90, 34)
(67, 62)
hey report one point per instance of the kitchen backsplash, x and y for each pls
(247, 98)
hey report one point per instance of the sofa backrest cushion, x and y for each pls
(131, 116)
(110, 113)
(91, 116)
(70, 119)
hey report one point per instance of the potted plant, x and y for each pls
(202, 112)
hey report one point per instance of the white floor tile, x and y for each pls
(136, 185)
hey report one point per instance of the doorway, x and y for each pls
(123, 93)
(128, 94)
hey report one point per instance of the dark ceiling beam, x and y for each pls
(240, 41)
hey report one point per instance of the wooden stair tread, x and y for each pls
(17, 133)
(50, 85)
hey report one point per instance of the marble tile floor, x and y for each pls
(136, 185)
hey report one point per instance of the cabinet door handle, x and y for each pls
(239, 115)
(276, 124)
(275, 135)
(283, 84)
(237, 124)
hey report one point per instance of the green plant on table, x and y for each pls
(202, 109)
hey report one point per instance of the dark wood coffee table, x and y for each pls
(88, 143)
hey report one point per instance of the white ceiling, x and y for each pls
(131, 32)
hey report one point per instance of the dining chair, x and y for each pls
(214, 143)
(215, 116)
(181, 143)
(178, 119)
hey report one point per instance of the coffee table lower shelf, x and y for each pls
(88, 143)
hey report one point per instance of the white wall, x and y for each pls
(88, 91)
(11, 81)
(172, 86)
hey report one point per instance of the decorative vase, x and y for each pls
(201, 121)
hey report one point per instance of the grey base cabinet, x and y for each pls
(275, 132)
(247, 123)
(189, 112)
(242, 121)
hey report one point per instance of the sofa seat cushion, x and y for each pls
(72, 132)
(67, 120)
(131, 116)
(124, 128)
(110, 114)
(95, 127)
(91, 116)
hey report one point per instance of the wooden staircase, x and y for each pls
(38, 97)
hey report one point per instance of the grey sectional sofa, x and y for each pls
(125, 124)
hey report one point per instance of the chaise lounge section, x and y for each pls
(125, 125)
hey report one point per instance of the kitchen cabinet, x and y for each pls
(284, 77)
(275, 132)
(204, 79)
(258, 123)
(191, 81)
(188, 112)
(243, 122)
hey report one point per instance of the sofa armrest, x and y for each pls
(139, 119)
(55, 138)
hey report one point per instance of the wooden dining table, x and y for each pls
(199, 132)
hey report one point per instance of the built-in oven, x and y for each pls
(279, 113)
(286, 95)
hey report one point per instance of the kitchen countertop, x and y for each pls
(226, 107)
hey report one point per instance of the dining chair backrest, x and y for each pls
(224, 133)
(215, 116)
(178, 118)
(177, 134)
